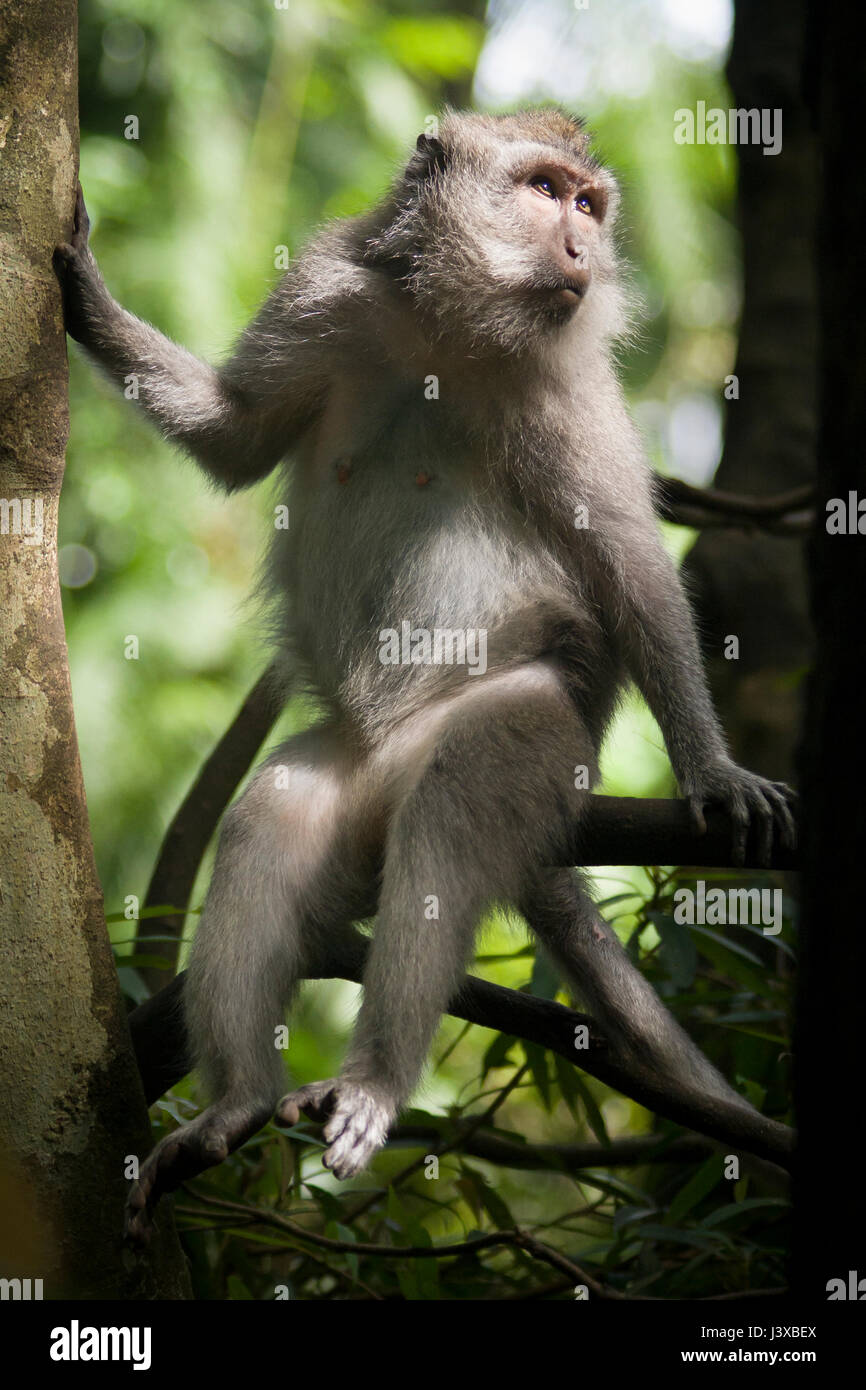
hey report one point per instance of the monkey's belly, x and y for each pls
(398, 593)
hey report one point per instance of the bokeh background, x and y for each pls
(255, 123)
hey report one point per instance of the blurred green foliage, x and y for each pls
(254, 123)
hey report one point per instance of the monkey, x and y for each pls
(438, 379)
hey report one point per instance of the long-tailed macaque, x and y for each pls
(471, 573)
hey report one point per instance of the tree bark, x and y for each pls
(71, 1104)
(747, 582)
(829, 1036)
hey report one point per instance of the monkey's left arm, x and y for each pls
(662, 653)
(236, 421)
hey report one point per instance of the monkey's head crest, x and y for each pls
(481, 230)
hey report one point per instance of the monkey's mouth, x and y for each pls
(568, 294)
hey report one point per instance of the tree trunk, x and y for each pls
(831, 1202)
(754, 585)
(71, 1103)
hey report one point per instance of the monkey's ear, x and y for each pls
(429, 159)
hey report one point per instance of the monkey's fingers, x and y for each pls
(65, 261)
(696, 804)
(763, 819)
(784, 802)
(738, 811)
(81, 221)
(68, 254)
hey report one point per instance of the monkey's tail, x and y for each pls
(622, 1001)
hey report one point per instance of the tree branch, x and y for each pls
(518, 1238)
(627, 830)
(563, 1158)
(245, 1214)
(159, 1038)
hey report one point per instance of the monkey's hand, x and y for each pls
(356, 1121)
(750, 801)
(85, 298)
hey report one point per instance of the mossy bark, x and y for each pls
(71, 1104)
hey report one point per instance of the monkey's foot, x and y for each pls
(356, 1121)
(182, 1155)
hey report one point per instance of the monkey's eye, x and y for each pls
(583, 205)
(544, 186)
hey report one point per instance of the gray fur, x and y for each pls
(454, 513)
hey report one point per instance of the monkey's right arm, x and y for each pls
(232, 421)
(661, 649)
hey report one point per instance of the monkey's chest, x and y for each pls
(413, 569)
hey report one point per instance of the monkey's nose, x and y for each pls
(576, 266)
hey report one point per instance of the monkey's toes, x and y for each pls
(356, 1122)
(182, 1155)
(317, 1101)
(172, 1161)
(358, 1127)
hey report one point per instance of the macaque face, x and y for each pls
(562, 208)
(504, 240)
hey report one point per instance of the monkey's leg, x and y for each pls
(492, 801)
(564, 917)
(291, 866)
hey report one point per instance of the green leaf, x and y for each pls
(139, 962)
(734, 1209)
(631, 1216)
(678, 953)
(756, 1094)
(497, 1053)
(352, 1261)
(132, 985)
(546, 976)
(166, 910)
(701, 1240)
(328, 1203)
(489, 1199)
(697, 1187)
(237, 1290)
(579, 1088)
(732, 959)
(537, 1058)
(418, 1278)
(613, 1186)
